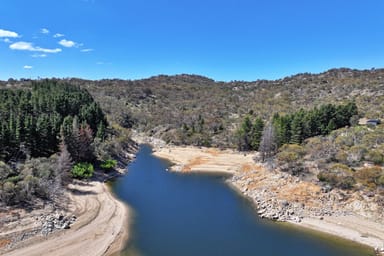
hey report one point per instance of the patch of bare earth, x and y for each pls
(100, 228)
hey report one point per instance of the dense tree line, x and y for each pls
(39, 121)
(249, 133)
(31, 118)
(293, 128)
(303, 124)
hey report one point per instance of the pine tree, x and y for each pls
(256, 133)
(244, 132)
(297, 130)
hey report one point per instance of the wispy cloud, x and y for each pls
(87, 50)
(6, 40)
(44, 31)
(7, 33)
(26, 46)
(37, 55)
(67, 43)
(103, 63)
(57, 35)
(27, 67)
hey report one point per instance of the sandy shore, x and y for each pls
(101, 227)
(190, 159)
(351, 226)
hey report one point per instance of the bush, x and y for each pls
(370, 176)
(375, 157)
(5, 171)
(380, 180)
(290, 158)
(82, 170)
(338, 175)
(346, 182)
(108, 164)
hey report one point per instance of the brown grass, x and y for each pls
(302, 192)
(4, 242)
(194, 162)
(213, 151)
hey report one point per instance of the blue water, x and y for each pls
(199, 215)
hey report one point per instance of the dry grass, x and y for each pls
(194, 162)
(4, 242)
(213, 151)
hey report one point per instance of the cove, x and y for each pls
(195, 214)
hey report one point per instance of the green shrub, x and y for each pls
(346, 182)
(375, 157)
(325, 176)
(370, 176)
(337, 178)
(108, 164)
(82, 170)
(14, 179)
(380, 180)
(340, 169)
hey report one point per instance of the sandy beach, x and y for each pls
(193, 159)
(351, 226)
(101, 227)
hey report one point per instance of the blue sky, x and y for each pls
(224, 40)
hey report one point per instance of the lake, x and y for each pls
(178, 214)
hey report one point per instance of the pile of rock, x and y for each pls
(271, 207)
(56, 221)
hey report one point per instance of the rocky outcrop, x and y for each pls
(272, 206)
(57, 221)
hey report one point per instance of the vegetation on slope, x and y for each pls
(303, 109)
(50, 132)
(190, 109)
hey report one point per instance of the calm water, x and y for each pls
(199, 215)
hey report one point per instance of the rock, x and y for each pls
(284, 203)
(327, 188)
(66, 225)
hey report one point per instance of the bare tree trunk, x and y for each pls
(268, 144)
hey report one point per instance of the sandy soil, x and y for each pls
(193, 159)
(353, 226)
(101, 227)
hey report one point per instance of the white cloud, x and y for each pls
(26, 46)
(103, 63)
(87, 50)
(67, 43)
(58, 35)
(27, 67)
(6, 40)
(7, 33)
(44, 31)
(37, 55)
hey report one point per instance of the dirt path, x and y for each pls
(101, 227)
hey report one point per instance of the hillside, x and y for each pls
(190, 109)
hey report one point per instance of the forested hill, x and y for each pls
(31, 117)
(190, 109)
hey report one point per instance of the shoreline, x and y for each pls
(253, 181)
(101, 226)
